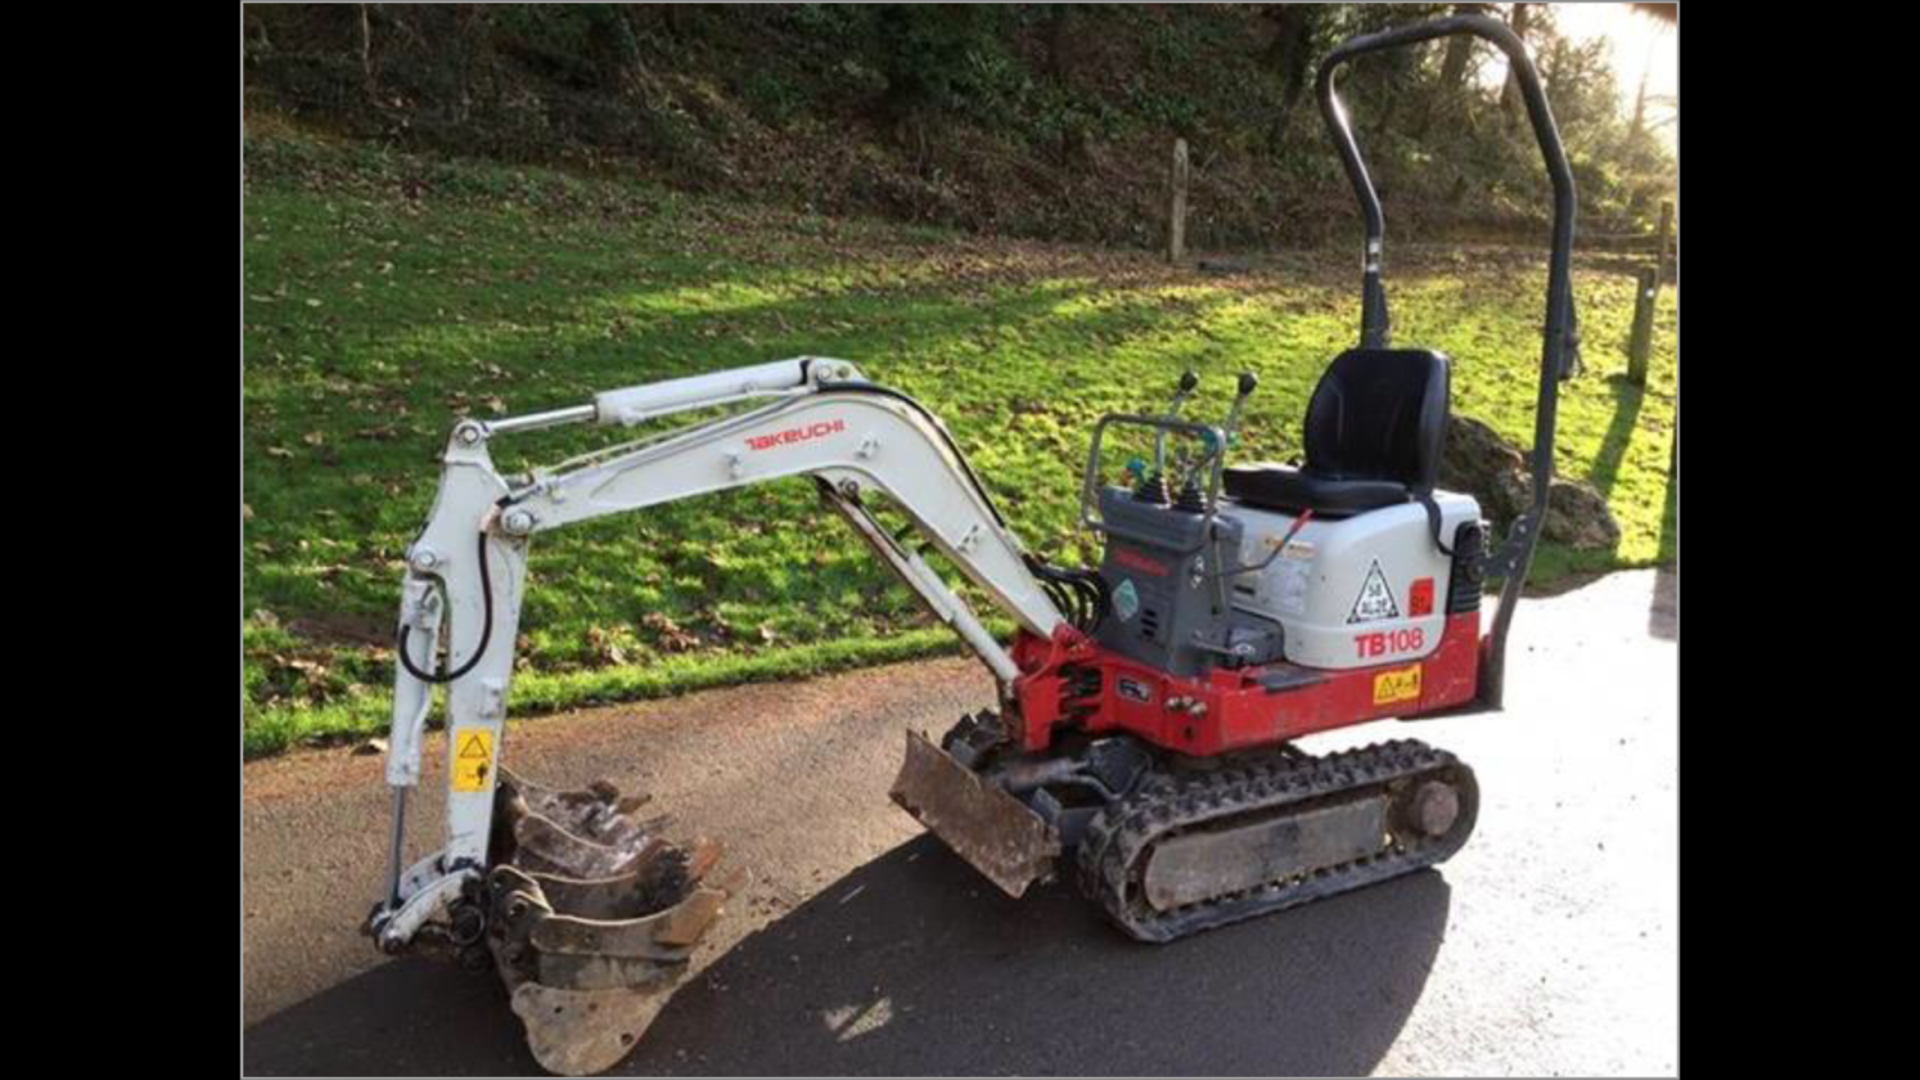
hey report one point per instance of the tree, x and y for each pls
(922, 53)
(1453, 72)
(1058, 19)
(1510, 93)
(1290, 54)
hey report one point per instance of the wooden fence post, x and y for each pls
(1177, 227)
(1647, 287)
(1666, 239)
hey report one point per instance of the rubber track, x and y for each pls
(1113, 856)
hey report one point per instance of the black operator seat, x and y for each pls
(1375, 430)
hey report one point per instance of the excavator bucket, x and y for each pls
(594, 916)
(997, 833)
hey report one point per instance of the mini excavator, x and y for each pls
(1143, 741)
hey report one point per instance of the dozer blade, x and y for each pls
(593, 917)
(989, 828)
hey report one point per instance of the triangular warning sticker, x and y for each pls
(475, 746)
(1375, 600)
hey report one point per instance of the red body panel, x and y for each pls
(1230, 709)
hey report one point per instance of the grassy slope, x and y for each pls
(387, 294)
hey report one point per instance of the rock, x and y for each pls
(1480, 463)
(1577, 515)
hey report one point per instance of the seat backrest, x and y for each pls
(1380, 414)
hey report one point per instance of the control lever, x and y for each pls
(1189, 382)
(1248, 383)
(1190, 497)
(1152, 487)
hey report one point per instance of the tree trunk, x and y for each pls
(1177, 213)
(366, 48)
(1556, 67)
(1059, 21)
(1290, 57)
(1453, 72)
(1510, 93)
(1292, 48)
(1389, 101)
(1640, 106)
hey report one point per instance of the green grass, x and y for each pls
(386, 295)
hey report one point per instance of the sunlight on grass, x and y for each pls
(373, 321)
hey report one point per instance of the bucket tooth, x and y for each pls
(702, 859)
(687, 922)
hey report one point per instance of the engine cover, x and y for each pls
(1357, 592)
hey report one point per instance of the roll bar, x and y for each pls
(1515, 556)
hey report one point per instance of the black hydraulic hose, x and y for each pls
(486, 627)
(938, 428)
(1081, 595)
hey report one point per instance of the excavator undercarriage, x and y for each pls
(1167, 847)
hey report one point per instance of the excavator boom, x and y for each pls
(588, 911)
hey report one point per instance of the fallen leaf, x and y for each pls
(672, 638)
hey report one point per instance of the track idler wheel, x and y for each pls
(592, 917)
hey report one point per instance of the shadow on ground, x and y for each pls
(1663, 616)
(913, 964)
(1627, 401)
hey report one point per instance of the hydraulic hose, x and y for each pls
(486, 626)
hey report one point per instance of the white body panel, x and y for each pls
(827, 424)
(1320, 588)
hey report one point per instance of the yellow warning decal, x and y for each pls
(472, 758)
(1401, 685)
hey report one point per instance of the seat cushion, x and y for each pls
(1279, 487)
